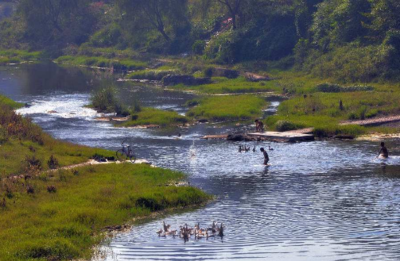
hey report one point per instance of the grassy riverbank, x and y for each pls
(223, 85)
(124, 64)
(60, 215)
(25, 147)
(153, 116)
(227, 108)
(67, 223)
(18, 56)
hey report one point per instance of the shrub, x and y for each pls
(33, 164)
(51, 189)
(3, 135)
(283, 125)
(198, 47)
(328, 87)
(208, 72)
(104, 99)
(154, 75)
(53, 162)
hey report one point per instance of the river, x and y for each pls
(322, 200)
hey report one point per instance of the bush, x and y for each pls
(335, 88)
(198, 47)
(352, 63)
(33, 164)
(154, 75)
(3, 135)
(104, 100)
(208, 72)
(285, 126)
(53, 162)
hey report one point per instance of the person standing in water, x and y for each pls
(383, 153)
(266, 157)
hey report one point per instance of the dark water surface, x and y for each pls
(323, 200)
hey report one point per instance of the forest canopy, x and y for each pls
(317, 36)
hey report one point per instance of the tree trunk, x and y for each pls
(161, 30)
(234, 21)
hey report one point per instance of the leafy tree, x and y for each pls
(156, 14)
(339, 21)
(384, 17)
(57, 22)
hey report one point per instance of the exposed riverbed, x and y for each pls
(323, 200)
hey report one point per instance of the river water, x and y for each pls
(322, 200)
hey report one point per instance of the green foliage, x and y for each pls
(352, 64)
(224, 85)
(198, 47)
(329, 87)
(53, 24)
(60, 215)
(228, 108)
(67, 224)
(152, 116)
(155, 75)
(5, 101)
(123, 64)
(17, 56)
(283, 125)
(104, 100)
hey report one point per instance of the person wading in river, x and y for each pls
(266, 157)
(383, 153)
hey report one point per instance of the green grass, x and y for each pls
(20, 139)
(17, 56)
(14, 154)
(63, 215)
(66, 225)
(10, 103)
(155, 75)
(150, 116)
(223, 85)
(228, 108)
(117, 64)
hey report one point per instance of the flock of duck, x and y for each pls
(187, 232)
(247, 149)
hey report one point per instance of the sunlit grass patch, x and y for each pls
(17, 56)
(228, 108)
(153, 116)
(222, 85)
(66, 224)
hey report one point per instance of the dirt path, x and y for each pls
(80, 165)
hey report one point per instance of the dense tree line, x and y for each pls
(307, 33)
